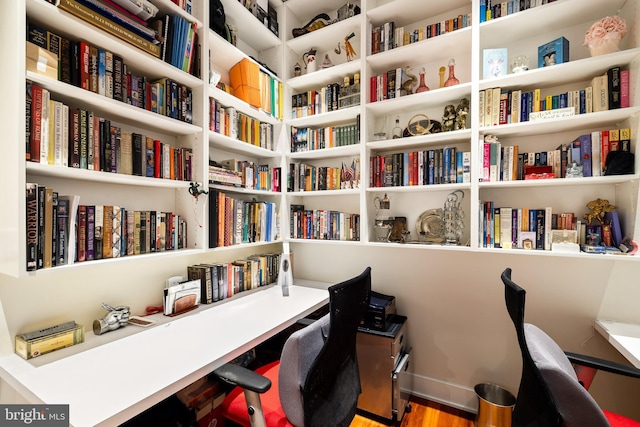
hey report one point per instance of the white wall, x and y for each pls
(458, 325)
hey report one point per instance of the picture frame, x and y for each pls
(494, 63)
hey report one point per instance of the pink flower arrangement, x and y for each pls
(609, 27)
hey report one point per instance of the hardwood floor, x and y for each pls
(425, 414)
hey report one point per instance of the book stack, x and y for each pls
(223, 280)
(254, 176)
(519, 228)
(62, 135)
(492, 9)
(314, 102)
(105, 73)
(446, 165)
(510, 163)
(387, 36)
(233, 221)
(230, 122)
(605, 92)
(308, 139)
(321, 224)
(62, 231)
(306, 177)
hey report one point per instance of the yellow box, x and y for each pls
(245, 81)
(42, 61)
(38, 346)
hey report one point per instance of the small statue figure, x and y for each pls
(348, 49)
(574, 170)
(116, 317)
(449, 118)
(407, 86)
(462, 111)
(326, 62)
(598, 208)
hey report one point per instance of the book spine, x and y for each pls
(32, 226)
(36, 123)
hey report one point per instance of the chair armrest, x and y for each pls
(239, 376)
(603, 365)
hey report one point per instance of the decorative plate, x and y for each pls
(430, 226)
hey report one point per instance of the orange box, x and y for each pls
(245, 81)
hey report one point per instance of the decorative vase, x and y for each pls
(451, 80)
(422, 87)
(608, 44)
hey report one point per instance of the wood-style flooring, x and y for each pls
(425, 414)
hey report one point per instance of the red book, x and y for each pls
(82, 233)
(605, 147)
(84, 65)
(373, 84)
(157, 156)
(624, 88)
(36, 122)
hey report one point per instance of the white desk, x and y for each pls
(110, 383)
(625, 337)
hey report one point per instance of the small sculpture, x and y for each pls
(348, 49)
(326, 62)
(407, 86)
(448, 118)
(574, 170)
(598, 208)
(462, 111)
(116, 317)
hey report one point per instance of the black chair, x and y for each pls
(550, 392)
(316, 381)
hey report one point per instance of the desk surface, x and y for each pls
(112, 382)
(625, 337)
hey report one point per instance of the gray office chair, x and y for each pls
(316, 381)
(550, 393)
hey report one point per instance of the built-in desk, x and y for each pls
(107, 384)
(625, 337)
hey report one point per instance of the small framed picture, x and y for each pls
(494, 63)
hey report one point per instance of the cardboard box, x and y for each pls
(245, 81)
(554, 52)
(199, 393)
(42, 61)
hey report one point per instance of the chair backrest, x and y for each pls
(319, 382)
(549, 393)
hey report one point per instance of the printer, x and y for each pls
(381, 310)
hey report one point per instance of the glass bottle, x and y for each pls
(451, 81)
(422, 87)
(397, 130)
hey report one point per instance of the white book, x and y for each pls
(547, 228)
(466, 166)
(44, 128)
(481, 107)
(505, 227)
(65, 135)
(57, 133)
(596, 153)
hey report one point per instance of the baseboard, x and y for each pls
(454, 395)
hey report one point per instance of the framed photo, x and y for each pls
(494, 63)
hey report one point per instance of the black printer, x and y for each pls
(381, 310)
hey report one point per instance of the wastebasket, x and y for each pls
(495, 406)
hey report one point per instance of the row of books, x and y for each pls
(233, 221)
(606, 92)
(103, 72)
(387, 85)
(446, 165)
(314, 102)
(532, 228)
(179, 42)
(232, 123)
(320, 224)
(62, 231)
(306, 177)
(387, 36)
(59, 135)
(309, 139)
(589, 151)
(220, 281)
(252, 175)
(492, 9)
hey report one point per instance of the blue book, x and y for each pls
(119, 18)
(585, 154)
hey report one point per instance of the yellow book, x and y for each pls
(548, 102)
(536, 100)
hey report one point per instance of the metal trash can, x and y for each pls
(495, 406)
